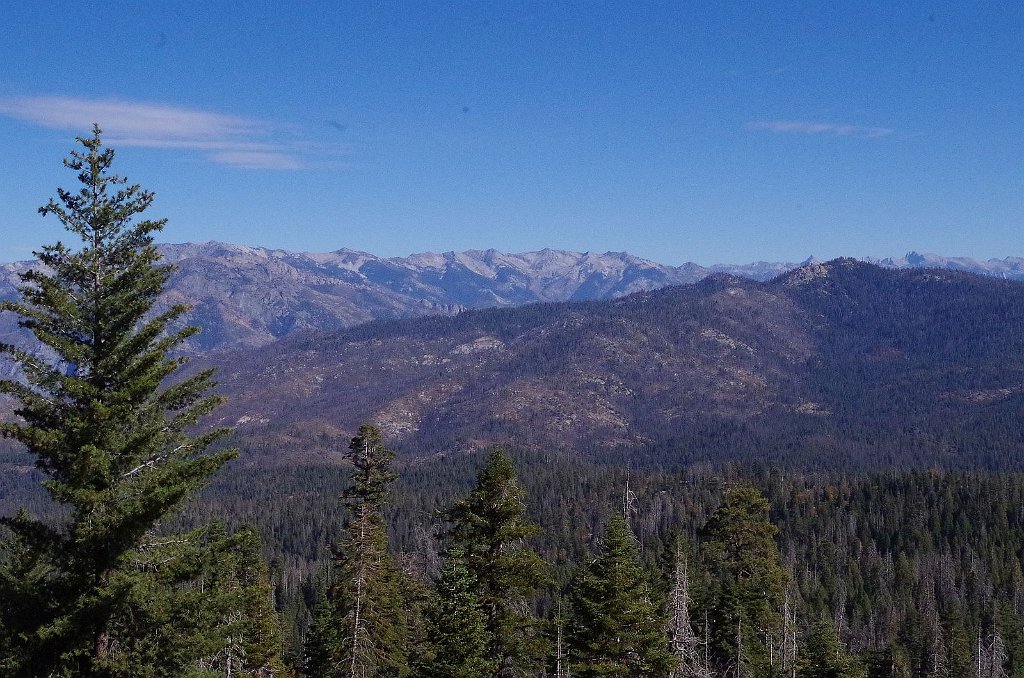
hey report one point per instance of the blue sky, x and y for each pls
(699, 131)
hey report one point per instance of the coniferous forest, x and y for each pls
(139, 547)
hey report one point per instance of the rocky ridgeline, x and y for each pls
(250, 296)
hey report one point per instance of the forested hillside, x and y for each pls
(841, 364)
(250, 296)
(246, 296)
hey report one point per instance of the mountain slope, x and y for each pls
(248, 296)
(832, 364)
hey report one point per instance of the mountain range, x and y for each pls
(834, 364)
(249, 296)
(828, 363)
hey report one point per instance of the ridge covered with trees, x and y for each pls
(836, 365)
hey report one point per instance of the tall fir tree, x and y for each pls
(457, 637)
(321, 638)
(369, 623)
(746, 584)
(108, 429)
(203, 606)
(490, 526)
(245, 625)
(617, 628)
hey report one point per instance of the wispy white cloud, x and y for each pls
(809, 127)
(224, 139)
(256, 160)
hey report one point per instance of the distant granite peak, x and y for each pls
(244, 296)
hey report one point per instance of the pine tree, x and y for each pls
(617, 629)
(247, 628)
(367, 606)
(262, 633)
(747, 580)
(491, 528)
(169, 623)
(321, 638)
(789, 650)
(561, 658)
(108, 429)
(823, 657)
(887, 662)
(203, 605)
(457, 637)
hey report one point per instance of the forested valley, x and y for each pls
(144, 543)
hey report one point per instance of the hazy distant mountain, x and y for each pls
(251, 296)
(835, 364)
(1010, 268)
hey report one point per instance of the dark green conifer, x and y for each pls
(617, 628)
(368, 608)
(321, 638)
(491, 528)
(202, 606)
(248, 624)
(108, 429)
(168, 625)
(746, 586)
(822, 656)
(457, 637)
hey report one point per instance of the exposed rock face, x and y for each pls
(250, 296)
(1010, 268)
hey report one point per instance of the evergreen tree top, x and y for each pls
(494, 512)
(372, 476)
(98, 215)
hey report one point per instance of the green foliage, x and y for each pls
(457, 636)
(490, 527)
(743, 598)
(823, 657)
(372, 478)
(364, 629)
(617, 628)
(321, 638)
(841, 538)
(202, 607)
(110, 432)
(246, 624)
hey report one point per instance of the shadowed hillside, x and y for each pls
(837, 364)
